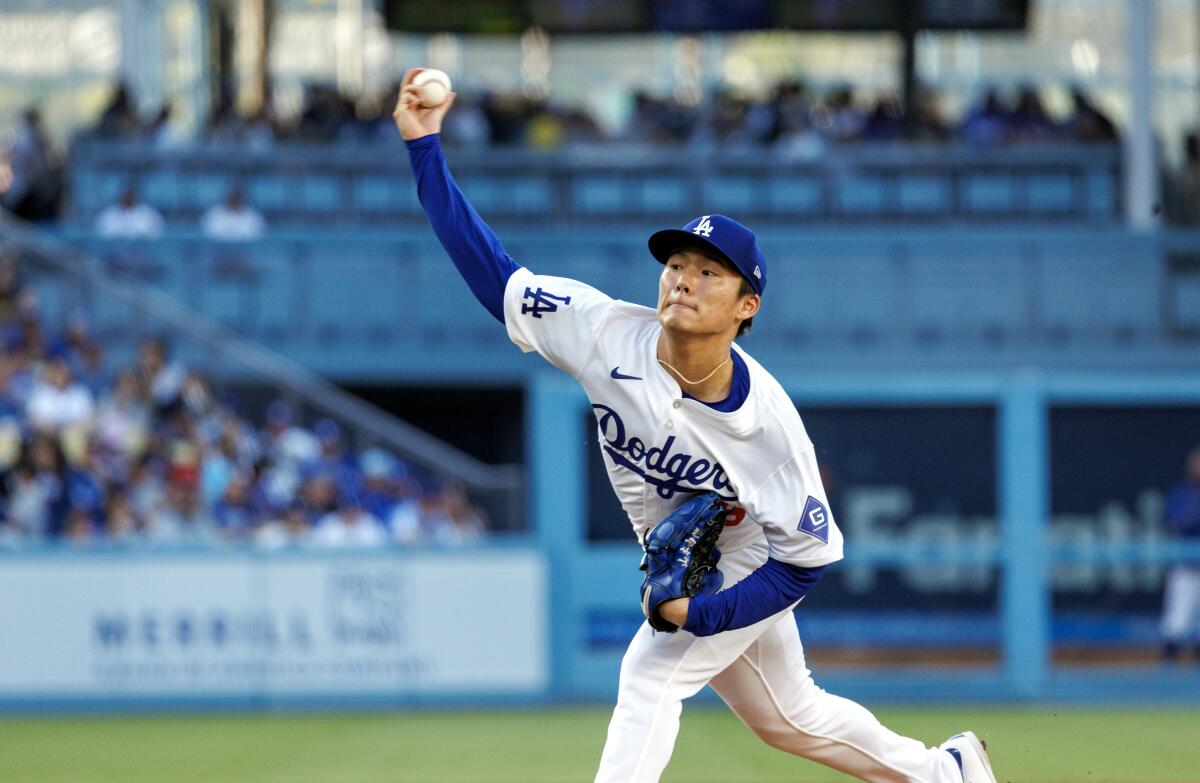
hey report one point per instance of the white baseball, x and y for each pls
(434, 86)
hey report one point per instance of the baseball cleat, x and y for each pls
(971, 754)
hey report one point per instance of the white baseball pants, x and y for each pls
(759, 671)
(1181, 605)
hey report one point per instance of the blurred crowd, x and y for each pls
(791, 110)
(153, 454)
(793, 118)
(233, 219)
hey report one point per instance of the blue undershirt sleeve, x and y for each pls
(772, 587)
(472, 246)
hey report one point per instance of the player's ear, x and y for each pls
(749, 305)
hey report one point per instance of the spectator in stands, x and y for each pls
(544, 128)
(885, 122)
(506, 115)
(335, 460)
(160, 377)
(1182, 191)
(1181, 599)
(460, 521)
(49, 468)
(57, 401)
(1028, 121)
(929, 123)
(85, 504)
(468, 129)
(28, 513)
(288, 530)
(121, 524)
(79, 529)
(325, 112)
(147, 489)
(380, 472)
(165, 461)
(119, 120)
(123, 419)
(33, 183)
(349, 526)
(233, 512)
(729, 120)
(403, 518)
(1087, 122)
(987, 123)
(91, 369)
(233, 220)
(288, 447)
(839, 119)
(219, 468)
(164, 132)
(183, 518)
(129, 218)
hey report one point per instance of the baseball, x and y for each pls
(434, 86)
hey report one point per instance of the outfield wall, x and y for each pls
(116, 629)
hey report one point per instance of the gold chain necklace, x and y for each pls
(702, 380)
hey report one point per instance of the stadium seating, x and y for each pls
(298, 185)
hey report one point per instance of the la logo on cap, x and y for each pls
(757, 272)
(704, 228)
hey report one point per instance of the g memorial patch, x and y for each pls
(815, 520)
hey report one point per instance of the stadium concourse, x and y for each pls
(155, 453)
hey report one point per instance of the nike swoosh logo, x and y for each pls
(616, 375)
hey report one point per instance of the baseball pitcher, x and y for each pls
(711, 462)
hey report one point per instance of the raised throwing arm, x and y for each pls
(469, 241)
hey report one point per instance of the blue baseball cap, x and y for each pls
(726, 237)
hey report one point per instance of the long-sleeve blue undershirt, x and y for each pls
(471, 244)
(771, 588)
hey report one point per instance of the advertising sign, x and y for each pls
(243, 624)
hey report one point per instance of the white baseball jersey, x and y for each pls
(660, 447)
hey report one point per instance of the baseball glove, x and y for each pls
(681, 556)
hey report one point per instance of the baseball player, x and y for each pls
(1181, 596)
(683, 411)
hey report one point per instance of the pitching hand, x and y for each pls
(412, 119)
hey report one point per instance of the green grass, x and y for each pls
(562, 746)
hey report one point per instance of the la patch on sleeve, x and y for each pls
(815, 520)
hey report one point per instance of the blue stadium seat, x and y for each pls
(798, 195)
(664, 196)
(731, 194)
(924, 195)
(989, 193)
(860, 194)
(599, 195)
(1050, 193)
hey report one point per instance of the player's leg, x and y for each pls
(771, 689)
(658, 672)
(1192, 599)
(1178, 609)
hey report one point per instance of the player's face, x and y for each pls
(699, 295)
